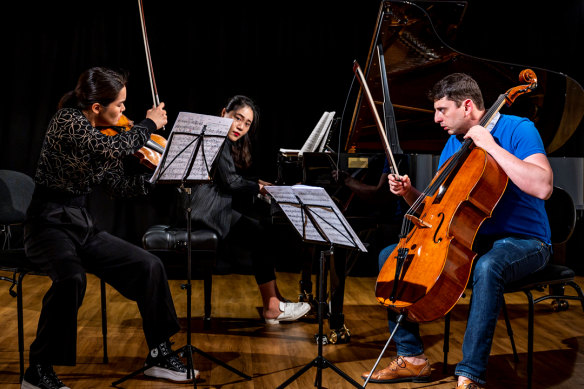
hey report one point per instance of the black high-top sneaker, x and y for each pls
(167, 365)
(41, 376)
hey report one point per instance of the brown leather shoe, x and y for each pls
(468, 384)
(400, 370)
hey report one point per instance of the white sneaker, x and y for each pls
(290, 312)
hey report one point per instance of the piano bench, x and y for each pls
(170, 245)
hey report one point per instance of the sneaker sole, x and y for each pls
(277, 321)
(166, 374)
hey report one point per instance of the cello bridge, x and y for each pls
(418, 222)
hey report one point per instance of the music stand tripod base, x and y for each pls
(320, 362)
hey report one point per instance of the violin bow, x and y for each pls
(155, 98)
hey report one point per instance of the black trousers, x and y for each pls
(63, 242)
(249, 234)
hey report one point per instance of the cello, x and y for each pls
(427, 273)
(428, 270)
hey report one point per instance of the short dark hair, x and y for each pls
(457, 87)
(95, 85)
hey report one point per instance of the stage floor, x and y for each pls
(271, 354)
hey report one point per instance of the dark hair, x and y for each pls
(241, 150)
(457, 87)
(95, 85)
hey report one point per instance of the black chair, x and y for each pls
(15, 195)
(170, 245)
(555, 276)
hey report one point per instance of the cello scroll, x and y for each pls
(528, 76)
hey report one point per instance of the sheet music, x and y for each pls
(289, 204)
(316, 141)
(326, 214)
(182, 143)
(316, 135)
(323, 136)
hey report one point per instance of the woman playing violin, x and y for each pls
(510, 245)
(63, 241)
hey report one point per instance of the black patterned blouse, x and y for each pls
(76, 156)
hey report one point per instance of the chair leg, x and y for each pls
(208, 287)
(446, 345)
(510, 332)
(104, 320)
(530, 339)
(20, 318)
(579, 291)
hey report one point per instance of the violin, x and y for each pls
(151, 153)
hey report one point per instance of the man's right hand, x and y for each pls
(399, 185)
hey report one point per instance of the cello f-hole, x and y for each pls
(441, 216)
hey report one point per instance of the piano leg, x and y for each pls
(338, 331)
(306, 295)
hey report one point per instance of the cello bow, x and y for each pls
(380, 128)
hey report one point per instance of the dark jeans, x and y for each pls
(503, 261)
(63, 243)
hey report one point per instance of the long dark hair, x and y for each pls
(95, 85)
(241, 150)
(457, 87)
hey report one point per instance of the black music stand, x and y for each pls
(318, 220)
(186, 162)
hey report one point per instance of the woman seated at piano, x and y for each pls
(212, 208)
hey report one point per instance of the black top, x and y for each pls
(211, 203)
(76, 156)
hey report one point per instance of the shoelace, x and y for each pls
(173, 359)
(398, 363)
(177, 363)
(49, 377)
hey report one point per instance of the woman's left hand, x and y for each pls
(263, 183)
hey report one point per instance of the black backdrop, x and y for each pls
(294, 58)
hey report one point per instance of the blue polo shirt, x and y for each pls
(517, 213)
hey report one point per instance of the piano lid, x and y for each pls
(416, 57)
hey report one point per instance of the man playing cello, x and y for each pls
(513, 243)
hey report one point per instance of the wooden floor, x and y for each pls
(271, 354)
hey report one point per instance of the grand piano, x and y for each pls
(411, 39)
